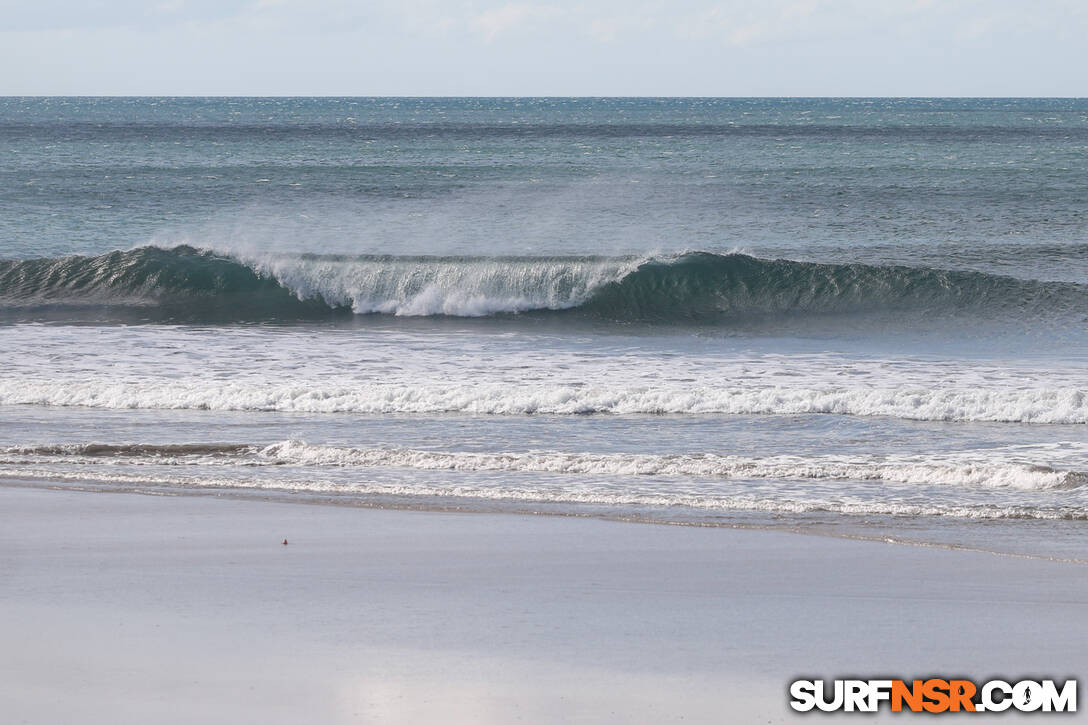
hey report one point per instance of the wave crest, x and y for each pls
(187, 284)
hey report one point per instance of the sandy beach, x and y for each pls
(133, 609)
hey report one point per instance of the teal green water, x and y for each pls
(856, 316)
(993, 185)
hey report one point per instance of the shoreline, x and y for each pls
(173, 609)
(499, 507)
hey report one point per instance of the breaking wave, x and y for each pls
(1042, 406)
(192, 285)
(1055, 406)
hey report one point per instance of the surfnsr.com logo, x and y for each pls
(933, 695)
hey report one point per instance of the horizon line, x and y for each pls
(542, 96)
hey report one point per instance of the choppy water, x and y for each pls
(862, 317)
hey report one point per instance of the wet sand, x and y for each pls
(125, 608)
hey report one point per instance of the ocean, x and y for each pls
(849, 317)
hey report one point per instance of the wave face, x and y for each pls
(182, 283)
(710, 286)
(187, 284)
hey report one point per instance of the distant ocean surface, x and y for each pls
(857, 317)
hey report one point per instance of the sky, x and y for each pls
(545, 48)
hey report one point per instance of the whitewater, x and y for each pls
(188, 284)
(854, 317)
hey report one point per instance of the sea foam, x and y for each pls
(1044, 405)
(997, 469)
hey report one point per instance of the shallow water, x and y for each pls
(855, 317)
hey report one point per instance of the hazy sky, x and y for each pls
(550, 47)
